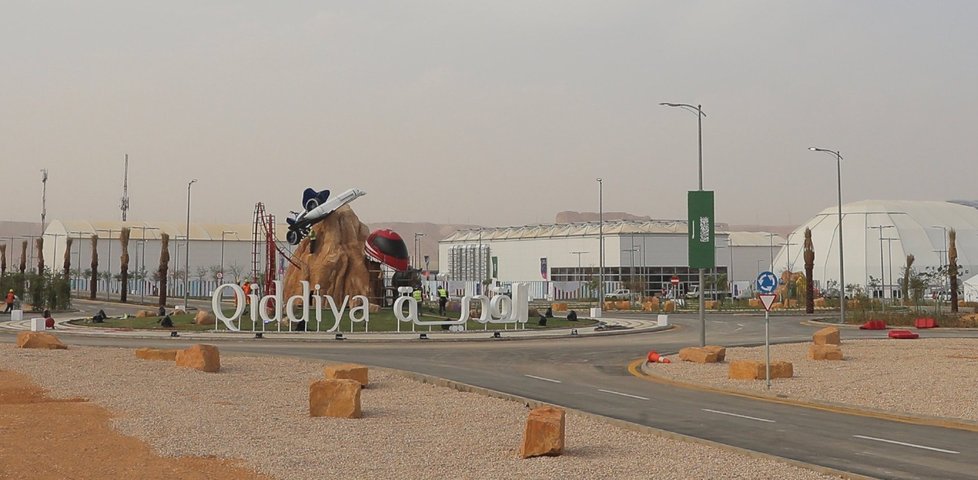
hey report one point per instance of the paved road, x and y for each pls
(590, 374)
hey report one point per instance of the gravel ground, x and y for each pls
(256, 409)
(935, 377)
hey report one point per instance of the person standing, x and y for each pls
(418, 297)
(10, 301)
(442, 299)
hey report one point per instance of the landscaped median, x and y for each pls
(929, 378)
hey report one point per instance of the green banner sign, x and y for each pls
(495, 267)
(702, 245)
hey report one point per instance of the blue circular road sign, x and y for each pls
(767, 282)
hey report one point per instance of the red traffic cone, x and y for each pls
(664, 360)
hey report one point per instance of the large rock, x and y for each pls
(754, 370)
(335, 398)
(156, 354)
(205, 358)
(824, 352)
(820, 303)
(544, 434)
(145, 313)
(347, 372)
(205, 317)
(827, 336)
(697, 355)
(720, 351)
(338, 264)
(669, 306)
(39, 340)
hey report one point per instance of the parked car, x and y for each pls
(620, 294)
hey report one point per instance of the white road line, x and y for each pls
(543, 378)
(738, 415)
(622, 394)
(906, 444)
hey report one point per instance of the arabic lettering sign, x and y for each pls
(701, 228)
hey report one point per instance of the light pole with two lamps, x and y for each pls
(186, 260)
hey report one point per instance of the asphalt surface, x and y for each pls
(590, 374)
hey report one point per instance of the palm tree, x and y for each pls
(164, 265)
(23, 257)
(67, 265)
(93, 288)
(39, 246)
(3, 259)
(907, 273)
(124, 264)
(952, 268)
(809, 270)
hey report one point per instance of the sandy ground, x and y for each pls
(934, 377)
(256, 410)
(43, 438)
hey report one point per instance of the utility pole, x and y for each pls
(125, 190)
(44, 197)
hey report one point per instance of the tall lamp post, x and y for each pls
(842, 262)
(698, 111)
(944, 259)
(600, 246)
(108, 268)
(186, 260)
(889, 260)
(142, 271)
(879, 228)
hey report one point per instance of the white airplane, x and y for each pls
(317, 207)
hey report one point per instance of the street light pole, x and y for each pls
(108, 288)
(889, 260)
(186, 260)
(142, 271)
(842, 263)
(879, 228)
(600, 245)
(698, 109)
(944, 260)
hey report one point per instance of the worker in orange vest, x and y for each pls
(10, 301)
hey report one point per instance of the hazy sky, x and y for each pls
(497, 113)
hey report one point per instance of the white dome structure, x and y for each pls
(908, 227)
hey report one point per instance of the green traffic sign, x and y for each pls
(701, 229)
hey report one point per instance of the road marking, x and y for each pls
(543, 378)
(738, 415)
(906, 444)
(622, 394)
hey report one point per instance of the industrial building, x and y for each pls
(558, 260)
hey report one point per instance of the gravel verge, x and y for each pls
(256, 409)
(932, 377)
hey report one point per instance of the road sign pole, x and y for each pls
(767, 347)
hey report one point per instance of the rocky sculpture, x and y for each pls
(332, 257)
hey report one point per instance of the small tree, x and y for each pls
(23, 257)
(67, 263)
(124, 264)
(3, 259)
(39, 246)
(809, 271)
(952, 265)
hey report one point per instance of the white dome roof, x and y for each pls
(914, 226)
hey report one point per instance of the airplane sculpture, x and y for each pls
(317, 206)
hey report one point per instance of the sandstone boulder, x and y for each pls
(754, 370)
(205, 317)
(374, 308)
(754, 303)
(39, 340)
(145, 313)
(347, 372)
(827, 336)
(669, 307)
(337, 264)
(205, 358)
(697, 355)
(721, 352)
(824, 352)
(820, 303)
(544, 434)
(335, 398)
(156, 354)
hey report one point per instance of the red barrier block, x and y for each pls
(925, 323)
(903, 334)
(873, 325)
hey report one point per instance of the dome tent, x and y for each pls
(915, 227)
